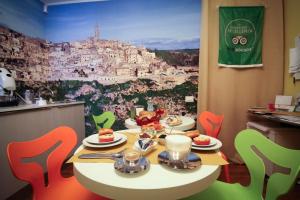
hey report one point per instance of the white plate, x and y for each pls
(174, 132)
(173, 116)
(94, 139)
(212, 143)
(217, 146)
(124, 138)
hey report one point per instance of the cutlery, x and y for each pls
(102, 155)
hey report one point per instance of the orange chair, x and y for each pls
(212, 124)
(58, 187)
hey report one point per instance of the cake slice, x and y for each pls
(106, 138)
(106, 135)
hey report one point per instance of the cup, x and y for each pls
(178, 147)
(41, 102)
(271, 107)
(138, 109)
(131, 157)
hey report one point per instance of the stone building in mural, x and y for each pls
(27, 57)
(110, 62)
(105, 61)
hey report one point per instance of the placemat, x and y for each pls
(207, 157)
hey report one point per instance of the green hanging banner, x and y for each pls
(241, 31)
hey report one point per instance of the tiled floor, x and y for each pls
(239, 173)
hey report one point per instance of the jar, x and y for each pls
(28, 97)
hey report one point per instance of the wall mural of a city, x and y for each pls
(111, 54)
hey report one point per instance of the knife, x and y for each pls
(100, 155)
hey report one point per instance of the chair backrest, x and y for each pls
(32, 172)
(211, 123)
(105, 120)
(278, 183)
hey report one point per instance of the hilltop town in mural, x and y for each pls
(107, 74)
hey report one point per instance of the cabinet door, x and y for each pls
(72, 116)
(30, 124)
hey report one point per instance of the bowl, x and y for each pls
(145, 149)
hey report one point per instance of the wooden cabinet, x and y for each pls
(27, 124)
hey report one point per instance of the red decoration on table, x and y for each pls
(162, 112)
(146, 117)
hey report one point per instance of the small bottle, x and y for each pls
(150, 106)
(132, 113)
(28, 97)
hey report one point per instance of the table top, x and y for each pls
(292, 118)
(35, 106)
(187, 123)
(158, 181)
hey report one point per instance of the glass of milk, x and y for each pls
(178, 147)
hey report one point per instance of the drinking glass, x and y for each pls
(138, 109)
(131, 157)
(133, 113)
(178, 147)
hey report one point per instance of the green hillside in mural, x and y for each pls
(99, 98)
(179, 57)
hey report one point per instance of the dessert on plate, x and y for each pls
(147, 132)
(106, 135)
(201, 140)
(154, 125)
(192, 134)
(145, 135)
(173, 120)
(151, 130)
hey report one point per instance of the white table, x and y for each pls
(187, 123)
(159, 182)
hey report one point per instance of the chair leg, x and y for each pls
(227, 174)
(226, 169)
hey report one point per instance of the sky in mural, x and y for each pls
(25, 16)
(155, 24)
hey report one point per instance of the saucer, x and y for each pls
(193, 162)
(142, 165)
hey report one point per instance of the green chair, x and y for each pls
(105, 120)
(278, 183)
